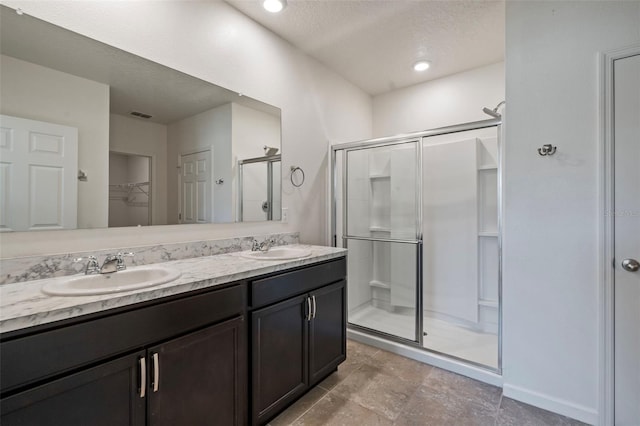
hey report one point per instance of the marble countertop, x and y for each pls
(24, 305)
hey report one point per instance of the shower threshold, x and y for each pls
(440, 336)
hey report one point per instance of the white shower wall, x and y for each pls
(460, 250)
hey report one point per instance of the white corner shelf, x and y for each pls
(487, 234)
(488, 303)
(379, 284)
(382, 176)
(488, 167)
(379, 229)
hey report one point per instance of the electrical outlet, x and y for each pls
(285, 215)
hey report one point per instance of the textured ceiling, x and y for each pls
(374, 43)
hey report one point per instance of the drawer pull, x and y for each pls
(143, 377)
(313, 298)
(156, 372)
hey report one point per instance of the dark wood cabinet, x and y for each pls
(279, 355)
(194, 374)
(327, 331)
(198, 379)
(298, 341)
(107, 394)
(182, 360)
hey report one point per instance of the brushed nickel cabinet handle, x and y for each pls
(308, 309)
(314, 306)
(143, 377)
(156, 372)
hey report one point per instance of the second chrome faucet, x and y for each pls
(263, 246)
(112, 263)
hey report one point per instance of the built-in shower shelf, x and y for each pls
(488, 303)
(379, 176)
(379, 229)
(488, 234)
(487, 167)
(379, 284)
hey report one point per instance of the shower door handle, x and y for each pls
(630, 265)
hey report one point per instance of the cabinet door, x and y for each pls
(279, 356)
(327, 331)
(108, 394)
(199, 379)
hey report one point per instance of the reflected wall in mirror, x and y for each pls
(190, 135)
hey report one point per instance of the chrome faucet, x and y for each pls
(114, 262)
(92, 266)
(263, 246)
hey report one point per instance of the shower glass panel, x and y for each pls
(381, 192)
(461, 247)
(420, 215)
(382, 286)
(381, 222)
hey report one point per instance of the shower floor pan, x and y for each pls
(442, 336)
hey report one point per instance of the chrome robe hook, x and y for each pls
(547, 149)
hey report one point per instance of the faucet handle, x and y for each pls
(92, 264)
(120, 266)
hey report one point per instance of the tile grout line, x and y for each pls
(323, 397)
(498, 410)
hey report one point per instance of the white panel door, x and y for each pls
(627, 239)
(38, 175)
(196, 188)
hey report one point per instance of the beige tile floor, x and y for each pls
(375, 387)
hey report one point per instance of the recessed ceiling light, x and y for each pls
(421, 65)
(274, 6)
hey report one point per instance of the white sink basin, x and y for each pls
(277, 253)
(129, 279)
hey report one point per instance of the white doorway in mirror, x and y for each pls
(38, 175)
(195, 187)
(130, 189)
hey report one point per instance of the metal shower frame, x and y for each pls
(417, 137)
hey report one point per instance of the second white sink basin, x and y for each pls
(277, 253)
(129, 279)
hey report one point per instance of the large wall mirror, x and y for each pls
(92, 136)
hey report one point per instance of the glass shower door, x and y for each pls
(379, 224)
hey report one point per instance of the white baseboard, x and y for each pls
(549, 403)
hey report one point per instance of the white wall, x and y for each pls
(39, 93)
(550, 282)
(201, 132)
(213, 41)
(133, 136)
(454, 99)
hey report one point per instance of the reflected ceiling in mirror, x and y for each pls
(175, 141)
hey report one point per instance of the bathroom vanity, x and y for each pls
(233, 341)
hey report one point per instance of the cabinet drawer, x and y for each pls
(26, 360)
(272, 289)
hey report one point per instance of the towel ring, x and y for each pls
(293, 170)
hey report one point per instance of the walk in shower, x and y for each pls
(420, 215)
